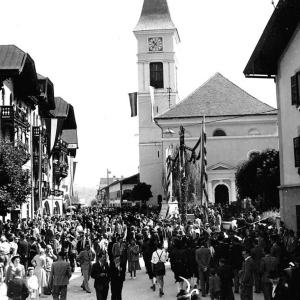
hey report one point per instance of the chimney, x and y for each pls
(114, 178)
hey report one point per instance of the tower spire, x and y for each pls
(155, 16)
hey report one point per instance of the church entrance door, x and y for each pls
(222, 194)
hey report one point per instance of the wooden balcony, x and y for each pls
(60, 169)
(60, 146)
(14, 116)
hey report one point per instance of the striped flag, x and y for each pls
(133, 103)
(169, 178)
(203, 164)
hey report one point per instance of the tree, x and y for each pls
(142, 191)
(259, 178)
(94, 202)
(15, 183)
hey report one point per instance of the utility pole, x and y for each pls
(169, 91)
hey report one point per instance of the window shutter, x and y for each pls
(294, 88)
(298, 216)
(297, 151)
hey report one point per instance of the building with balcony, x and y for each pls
(277, 57)
(34, 120)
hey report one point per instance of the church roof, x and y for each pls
(218, 97)
(155, 15)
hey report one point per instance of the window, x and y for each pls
(295, 89)
(157, 75)
(219, 132)
(253, 131)
(298, 216)
(297, 151)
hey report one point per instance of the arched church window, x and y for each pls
(253, 131)
(219, 132)
(157, 75)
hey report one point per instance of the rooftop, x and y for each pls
(155, 16)
(274, 39)
(218, 97)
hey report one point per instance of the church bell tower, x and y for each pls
(157, 38)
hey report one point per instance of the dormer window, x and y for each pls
(157, 75)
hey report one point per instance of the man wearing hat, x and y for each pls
(279, 290)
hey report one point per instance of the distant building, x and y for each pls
(119, 191)
(277, 57)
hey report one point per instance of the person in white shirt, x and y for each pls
(159, 258)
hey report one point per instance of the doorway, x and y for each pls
(222, 194)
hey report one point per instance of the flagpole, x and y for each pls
(107, 193)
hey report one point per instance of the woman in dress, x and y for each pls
(3, 287)
(15, 264)
(39, 263)
(33, 284)
(133, 258)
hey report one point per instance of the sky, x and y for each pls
(88, 50)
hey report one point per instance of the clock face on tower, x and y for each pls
(155, 44)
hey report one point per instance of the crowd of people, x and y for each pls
(38, 256)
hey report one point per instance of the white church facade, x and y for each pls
(237, 124)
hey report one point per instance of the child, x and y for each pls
(32, 282)
(214, 285)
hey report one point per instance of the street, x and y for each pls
(133, 289)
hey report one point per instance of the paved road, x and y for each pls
(138, 289)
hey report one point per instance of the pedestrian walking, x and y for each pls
(117, 279)
(85, 258)
(133, 258)
(159, 258)
(59, 277)
(101, 273)
(247, 278)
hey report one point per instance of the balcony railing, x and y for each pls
(9, 113)
(60, 146)
(60, 169)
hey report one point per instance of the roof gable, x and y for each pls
(220, 167)
(217, 97)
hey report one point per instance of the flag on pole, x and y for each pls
(152, 102)
(169, 178)
(133, 103)
(203, 164)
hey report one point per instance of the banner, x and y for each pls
(169, 179)
(152, 102)
(133, 103)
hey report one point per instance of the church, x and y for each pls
(237, 125)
